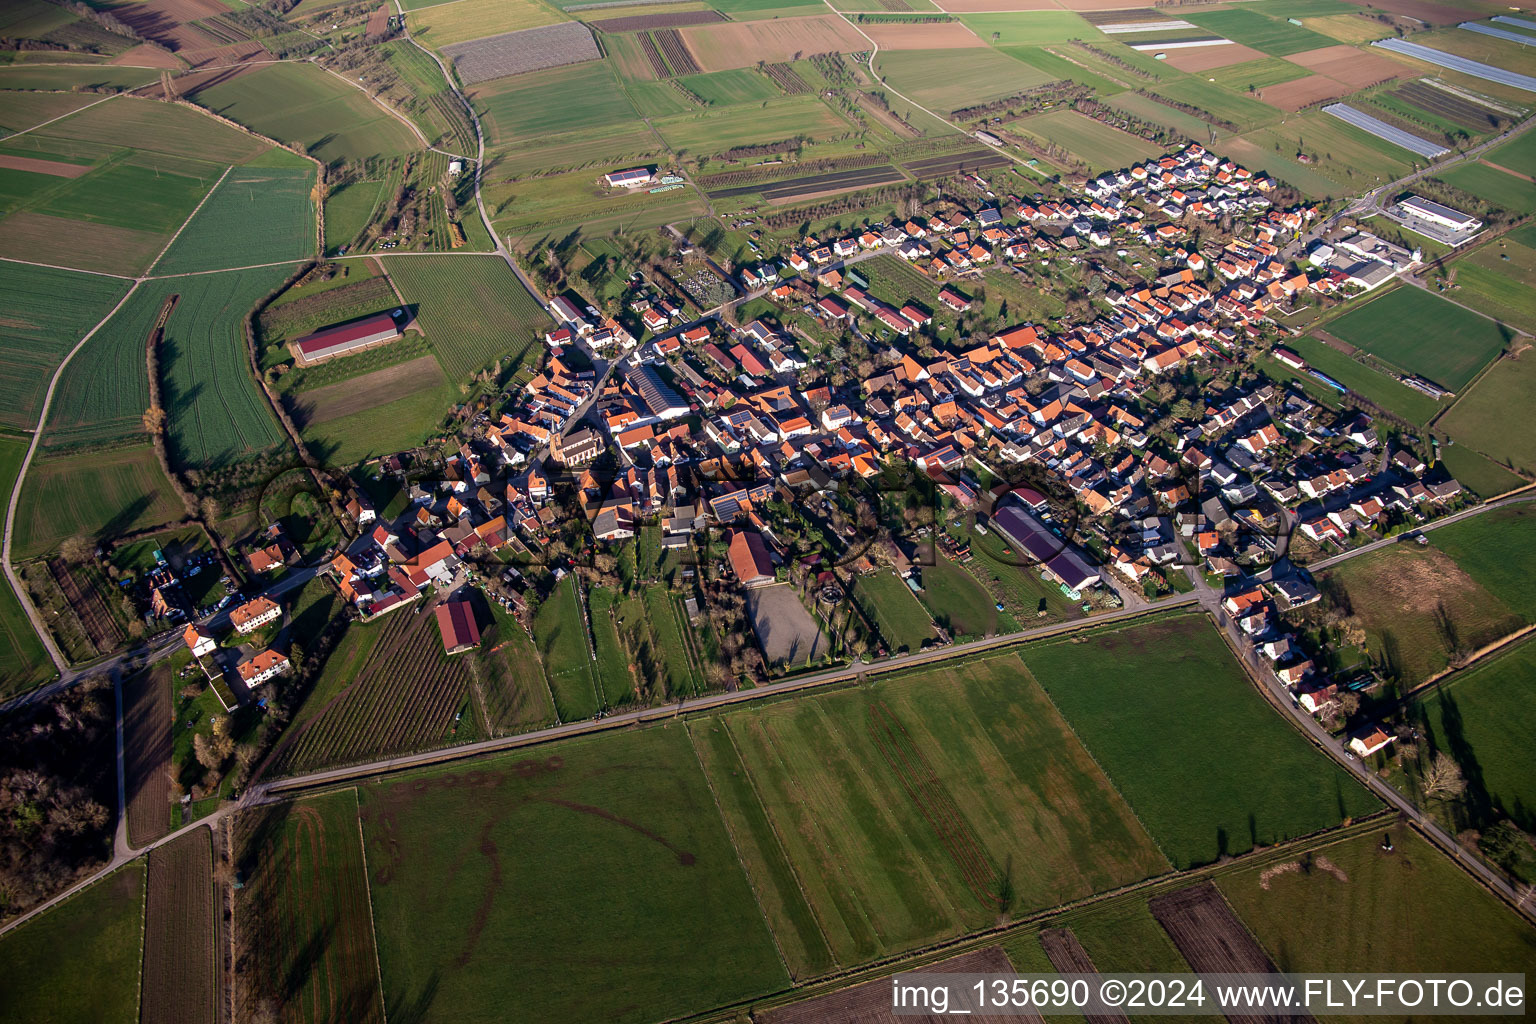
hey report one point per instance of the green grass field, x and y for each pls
(716, 130)
(1500, 279)
(1480, 418)
(385, 428)
(832, 802)
(1312, 920)
(946, 80)
(438, 25)
(1243, 111)
(1041, 59)
(23, 661)
(150, 126)
(1343, 153)
(509, 675)
(604, 855)
(1481, 718)
(98, 495)
(580, 97)
(148, 193)
(305, 908)
(104, 923)
(348, 210)
(1414, 406)
(1097, 145)
(303, 105)
(1209, 768)
(725, 88)
(1273, 36)
(1518, 154)
(560, 634)
(886, 598)
(956, 601)
(473, 308)
(256, 215)
(1461, 591)
(1035, 27)
(58, 77)
(47, 312)
(1478, 473)
(214, 410)
(1448, 344)
(1258, 74)
(1503, 190)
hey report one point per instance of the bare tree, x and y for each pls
(1443, 777)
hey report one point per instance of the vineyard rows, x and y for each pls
(676, 52)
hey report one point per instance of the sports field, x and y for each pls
(1414, 406)
(1480, 418)
(1207, 765)
(1448, 344)
(896, 831)
(302, 104)
(473, 308)
(605, 855)
(258, 214)
(47, 312)
(94, 494)
(105, 924)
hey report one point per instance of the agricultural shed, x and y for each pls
(344, 339)
(749, 559)
(456, 621)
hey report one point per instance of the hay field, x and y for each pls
(719, 47)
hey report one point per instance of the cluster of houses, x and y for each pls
(253, 666)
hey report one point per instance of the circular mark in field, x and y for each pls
(685, 858)
(554, 764)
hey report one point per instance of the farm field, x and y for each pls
(305, 907)
(439, 25)
(1034, 27)
(1478, 717)
(349, 209)
(560, 633)
(47, 312)
(1206, 764)
(61, 78)
(150, 126)
(376, 413)
(1417, 604)
(726, 88)
(1371, 919)
(901, 619)
(714, 131)
(98, 495)
(215, 413)
(1414, 406)
(1099, 146)
(1477, 473)
(532, 837)
(946, 80)
(257, 214)
(147, 719)
(583, 97)
(1489, 183)
(1042, 59)
(1341, 152)
(304, 105)
(1274, 36)
(723, 45)
(407, 696)
(23, 661)
(1500, 279)
(1518, 155)
(27, 110)
(1256, 74)
(1480, 418)
(897, 833)
(473, 308)
(104, 923)
(180, 970)
(1241, 110)
(1449, 344)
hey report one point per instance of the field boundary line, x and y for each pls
(757, 897)
(373, 926)
(72, 113)
(201, 203)
(72, 270)
(230, 270)
(143, 932)
(59, 661)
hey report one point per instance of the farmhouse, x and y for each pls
(456, 621)
(345, 339)
(749, 559)
(632, 178)
(1369, 739)
(252, 615)
(260, 667)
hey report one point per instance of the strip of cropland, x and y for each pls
(814, 184)
(180, 933)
